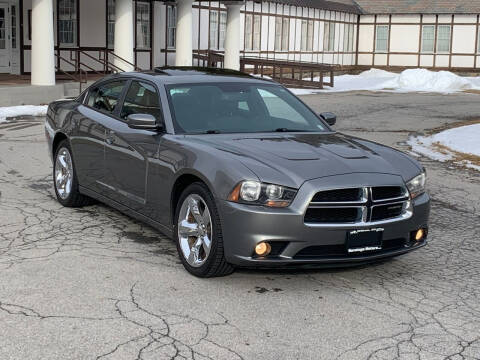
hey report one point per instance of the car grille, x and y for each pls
(358, 205)
(354, 194)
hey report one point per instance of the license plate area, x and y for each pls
(364, 240)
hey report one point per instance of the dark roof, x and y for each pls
(194, 70)
(387, 6)
(189, 74)
(348, 6)
(418, 6)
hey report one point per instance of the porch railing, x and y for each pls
(79, 75)
(291, 73)
(99, 63)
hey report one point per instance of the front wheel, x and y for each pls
(198, 233)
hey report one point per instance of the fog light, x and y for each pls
(263, 249)
(419, 234)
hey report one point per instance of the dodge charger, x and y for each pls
(237, 170)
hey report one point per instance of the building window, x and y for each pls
(223, 29)
(282, 30)
(3, 32)
(248, 32)
(381, 42)
(443, 38)
(278, 34)
(67, 22)
(256, 32)
(252, 32)
(306, 41)
(329, 37)
(352, 38)
(13, 10)
(143, 25)
(428, 38)
(110, 23)
(285, 34)
(171, 26)
(213, 39)
(310, 35)
(218, 24)
(348, 35)
(478, 45)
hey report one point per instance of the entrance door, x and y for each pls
(4, 39)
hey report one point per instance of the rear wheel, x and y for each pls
(198, 233)
(65, 178)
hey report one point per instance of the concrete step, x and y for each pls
(12, 95)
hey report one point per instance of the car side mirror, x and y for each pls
(143, 122)
(329, 118)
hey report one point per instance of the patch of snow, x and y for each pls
(468, 164)
(303, 91)
(464, 139)
(424, 145)
(15, 111)
(424, 80)
(411, 80)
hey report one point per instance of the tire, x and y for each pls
(68, 196)
(212, 262)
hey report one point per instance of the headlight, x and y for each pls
(416, 186)
(257, 193)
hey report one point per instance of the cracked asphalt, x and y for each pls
(92, 283)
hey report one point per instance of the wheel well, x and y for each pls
(56, 140)
(181, 184)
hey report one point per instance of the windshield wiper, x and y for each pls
(212, 132)
(289, 130)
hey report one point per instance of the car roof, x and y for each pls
(190, 74)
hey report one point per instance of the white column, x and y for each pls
(232, 37)
(43, 57)
(183, 46)
(123, 46)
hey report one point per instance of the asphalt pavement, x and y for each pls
(91, 283)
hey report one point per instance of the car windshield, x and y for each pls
(238, 108)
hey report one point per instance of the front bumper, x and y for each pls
(244, 226)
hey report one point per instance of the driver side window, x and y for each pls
(141, 98)
(105, 97)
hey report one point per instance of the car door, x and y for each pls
(88, 137)
(128, 152)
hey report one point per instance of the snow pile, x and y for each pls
(461, 144)
(429, 81)
(14, 111)
(411, 80)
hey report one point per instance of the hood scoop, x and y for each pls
(303, 146)
(346, 151)
(281, 146)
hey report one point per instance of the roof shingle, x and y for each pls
(418, 6)
(335, 5)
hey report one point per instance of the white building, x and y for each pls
(99, 35)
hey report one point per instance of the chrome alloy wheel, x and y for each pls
(63, 173)
(195, 230)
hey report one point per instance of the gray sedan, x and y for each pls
(237, 170)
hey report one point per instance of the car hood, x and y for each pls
(293, 158)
